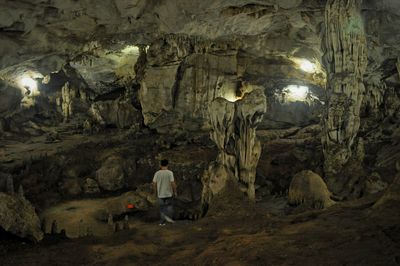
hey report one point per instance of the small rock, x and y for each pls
(90, 186)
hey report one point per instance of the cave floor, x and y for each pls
(346, 234)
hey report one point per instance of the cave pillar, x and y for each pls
(345, 60)
(66, 101)
(233, 129)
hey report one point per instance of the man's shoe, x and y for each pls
(161, 224)
(169, 219)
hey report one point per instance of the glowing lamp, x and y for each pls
(130, 206)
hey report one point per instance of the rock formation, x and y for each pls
(136, 81)
(18, 216)
(77, 218)
(111, 176)
(234, 132)
(309, 189)
(345, 60)
(119, 113)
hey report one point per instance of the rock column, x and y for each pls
(234, 132)
(345, 60)
(67, 94)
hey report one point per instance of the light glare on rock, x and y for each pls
(307, 66)
(296, 92)
(30, 84)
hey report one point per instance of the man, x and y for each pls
(164, 185)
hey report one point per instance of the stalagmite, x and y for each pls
(126, 222)
(54, 228)
(110, 220)
(234, 132)
(345, 60)
(10, 185)
(21, 192)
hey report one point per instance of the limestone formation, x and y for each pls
(119, 113)
(234, 132)
(67, 95)
(100, 215)
(374, 184)
(18, 217)
(10, 185)
(391, 198)
(111, 175)
(345, 60)
(90, 186)
(309, 189)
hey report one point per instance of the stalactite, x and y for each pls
(345, 61)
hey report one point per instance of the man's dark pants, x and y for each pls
(166, 208)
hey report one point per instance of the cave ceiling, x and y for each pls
(43, 36)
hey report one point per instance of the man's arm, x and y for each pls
(154, 185)
(173, 185)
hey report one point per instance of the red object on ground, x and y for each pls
(130, 206)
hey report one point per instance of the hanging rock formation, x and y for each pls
(345, 61)
(234, 132)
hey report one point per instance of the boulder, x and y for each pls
(374, 184)
(90, 186)
(111, 175)
(309, 188)
(18, 217)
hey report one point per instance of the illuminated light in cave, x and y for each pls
(296, 92)
(231, 97)
(30, 85)
(130, 49)
(307, 66)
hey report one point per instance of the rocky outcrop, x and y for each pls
(111, 175)
(119, 113)
(309, 189)
(184, 74)
(18, 217)
(90, 186)
(234, 132)
(73, 101)
(391, 198)
(345, 60)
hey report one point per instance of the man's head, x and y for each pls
(164, 163)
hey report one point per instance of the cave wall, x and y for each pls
(181, 81)
(185, 58)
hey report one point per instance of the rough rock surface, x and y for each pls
(346, 62)
(234, 131)
(18, 216)
(92, 217)
(111, 175)
(119, 113)
(151, 69)
(90, 186)
(309, 189)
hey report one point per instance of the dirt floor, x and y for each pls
(233, 233)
